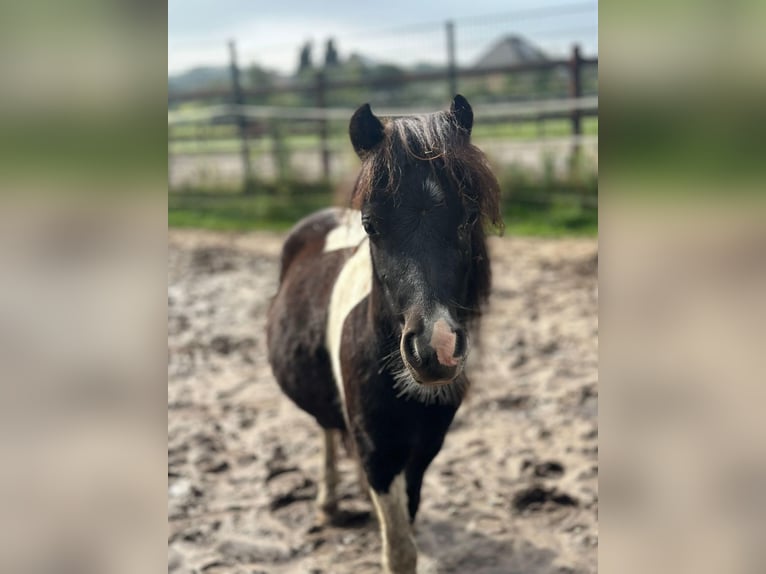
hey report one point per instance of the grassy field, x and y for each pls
(546, 213)
(232, 211)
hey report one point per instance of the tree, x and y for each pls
(388, 81)
(260, 77)
(305, 58)
(330, 54)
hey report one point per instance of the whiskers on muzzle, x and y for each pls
(450, 390)
(446, 393)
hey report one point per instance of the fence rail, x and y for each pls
(544, 108)
(247, 117)
(322, 84)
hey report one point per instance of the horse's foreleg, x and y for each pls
(400, 555)
(327, 498)
(351, 450)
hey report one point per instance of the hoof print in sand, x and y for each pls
(545, 469)
(537, 498)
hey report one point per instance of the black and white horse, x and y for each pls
(372, 323)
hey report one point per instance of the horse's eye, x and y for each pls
(369, 226)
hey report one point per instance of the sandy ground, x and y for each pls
(514, 490)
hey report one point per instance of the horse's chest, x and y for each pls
(353, 284)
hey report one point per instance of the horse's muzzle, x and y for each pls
(434, 350)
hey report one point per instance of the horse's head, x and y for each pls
(425, 194)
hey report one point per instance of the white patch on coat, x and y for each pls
(354, 283)
(400, 554)
(348, 233)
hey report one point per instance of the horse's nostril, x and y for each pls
(410, 348)
(461, 343)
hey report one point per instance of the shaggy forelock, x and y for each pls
(446, 147)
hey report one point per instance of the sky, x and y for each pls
(397, 31)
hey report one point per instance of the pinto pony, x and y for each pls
(376, 307)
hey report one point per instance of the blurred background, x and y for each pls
(83, 252)
(259, 103)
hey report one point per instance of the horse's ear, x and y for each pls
(365, 130)
(462, 112)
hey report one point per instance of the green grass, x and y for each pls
(232, 211)
(544, 214)
(561, 217)
(257, 145)
(533, 130)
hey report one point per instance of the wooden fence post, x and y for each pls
(238, 99)
(451, 62)
(321, 87)
(170, 158)
(575, 92)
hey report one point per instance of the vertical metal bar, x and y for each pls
(451, 62)
(238, 99)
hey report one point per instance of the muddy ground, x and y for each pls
(514, 490)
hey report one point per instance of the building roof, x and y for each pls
(508, 51)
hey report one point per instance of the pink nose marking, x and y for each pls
(443, 341)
